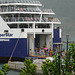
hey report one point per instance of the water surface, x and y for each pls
(11, 72)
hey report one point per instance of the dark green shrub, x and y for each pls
(29, 69)
(4, 70)
(66, 68)
(50, 68)
(1, 73)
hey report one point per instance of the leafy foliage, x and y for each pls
(1, 73)
(29, 69)
(67, 67)
(5, 69)
(50, 68)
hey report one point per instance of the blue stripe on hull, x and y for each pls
(6, 48)
(56, 38)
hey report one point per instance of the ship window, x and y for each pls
(23, 26)
(13, 26)
(42, 26)
(30, 26)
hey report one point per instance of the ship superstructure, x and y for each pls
(26, 25)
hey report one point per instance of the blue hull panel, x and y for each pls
(56, 38)
(6, 48)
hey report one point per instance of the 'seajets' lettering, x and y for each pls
(6, 35)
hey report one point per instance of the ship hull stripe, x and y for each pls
(6, 48)
(56, 38)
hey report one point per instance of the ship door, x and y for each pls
(30, 43)
(43, 40)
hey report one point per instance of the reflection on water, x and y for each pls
(11, 72)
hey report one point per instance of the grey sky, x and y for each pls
(65, 11)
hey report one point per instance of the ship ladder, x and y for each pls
(14, 48)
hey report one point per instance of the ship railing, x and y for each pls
(10, 9)
(47, 10)
(55, 20)
(32, 19)
(42, 53)
(19, 1)
(50, 20)
(17, 19)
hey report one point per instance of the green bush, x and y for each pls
(50, 68)
(4, 70)
(66, 68)
(1, 73)
(29, 69)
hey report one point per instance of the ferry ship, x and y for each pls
(26, 25)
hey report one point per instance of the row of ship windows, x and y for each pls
(29, 26)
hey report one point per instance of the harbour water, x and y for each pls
(11, 72)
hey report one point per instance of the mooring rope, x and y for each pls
(14, 49)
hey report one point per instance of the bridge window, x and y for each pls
(42, 26)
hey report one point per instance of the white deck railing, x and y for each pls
(19, 1)
(29, 19)
(47, 10)
(18, 8)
